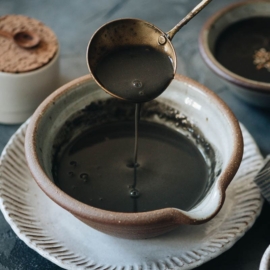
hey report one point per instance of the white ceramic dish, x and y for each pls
(63, 239)
(20, 94)
(265, 262)
(263, 179)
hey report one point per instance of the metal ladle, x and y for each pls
(24, 39)
(133, 32)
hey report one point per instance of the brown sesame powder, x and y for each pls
(14, 59)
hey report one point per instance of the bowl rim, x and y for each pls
(208, 57)
(84, 211)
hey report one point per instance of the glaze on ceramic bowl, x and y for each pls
(253, 92)
(201, 106)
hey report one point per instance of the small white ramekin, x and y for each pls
(20, 94)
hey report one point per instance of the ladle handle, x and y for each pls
(189, 16)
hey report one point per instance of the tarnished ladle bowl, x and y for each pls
(133, 32)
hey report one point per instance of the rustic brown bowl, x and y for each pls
(203, 108)
(251, 91)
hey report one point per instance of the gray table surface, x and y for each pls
(74, 22)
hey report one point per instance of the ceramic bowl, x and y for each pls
(20, 94)
(203, 109)
(253, 92)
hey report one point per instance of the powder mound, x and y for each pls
(14, 59)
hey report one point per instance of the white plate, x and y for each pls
(265, 262)
(61, 238)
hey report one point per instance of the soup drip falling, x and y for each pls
(97, 167)
(134, 61)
